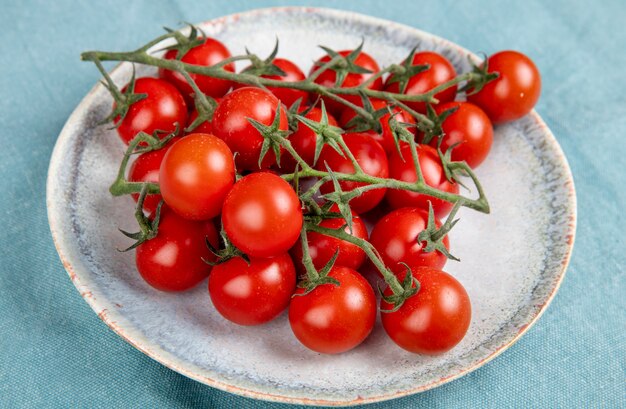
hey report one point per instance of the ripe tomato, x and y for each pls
(395, 238)
(303, 140)
(434, 176)
(386, 137)
(206, 54)
(293, 73)
(322, 247)
(162, 109)
(230, 123)
(372, 159)
(470, 129)
(262, 215)
(440, 71)
(435, 319)
(514, 93)
(332, 319)
(329, 77)
(255, 293)
(146, 169)
(172, 261)
(196, 174)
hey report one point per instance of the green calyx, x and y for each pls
(401, 74)
(410, 287)
(481, 77)
(432, 237)
(227, 252)
(342, 66)
(273, 136)
(148, 229)
(326, 134)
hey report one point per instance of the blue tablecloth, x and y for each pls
(54, 351)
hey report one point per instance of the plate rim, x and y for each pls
(140, 342)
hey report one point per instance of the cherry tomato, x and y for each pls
(206, 54)
(172, 261)
(162, 109)
(328, 78)
(146, 169)
(303, 141)
(440, 71)
(230, 123)
(395, 238)
(196, 174)
(332, 319)
(254, 293)
(372, 159)
(293, 73)
(262, 215)
(435, 319)
(322, 247)
(385, 138)
(514, 93)
(402, 168)
(470, 129)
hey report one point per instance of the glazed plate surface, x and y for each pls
(513, 260)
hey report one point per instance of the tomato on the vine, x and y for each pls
(385, 138)
(162, 109)
(252, 293)
(440, 71)
(173, 260)
(372, 159)
(395, 236)
(334, 318)
(262, 215)
(328, 78)
(323, 247)
(230, 123)
(146, 169)
(402, 168)
(292, 73)
(432, 321)
(195, 175)
(516, 90)
(209, 53)
(468, 129)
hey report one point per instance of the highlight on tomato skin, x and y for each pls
(252, 292)
(434, 320)
(333, 319)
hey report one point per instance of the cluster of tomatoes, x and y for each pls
(218, 177)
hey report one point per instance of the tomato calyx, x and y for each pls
(123, 100)
(402, 73)
(342, 66)
(185, 43)
(313, 277)
(325, 133)
(205, 106)
(273, 136)
(228, 251)
(434, 130)
(432, 237)
(148, 229)
(261, 67)
(361, 123)
(400, 132)
(480, 78)
(410, 287)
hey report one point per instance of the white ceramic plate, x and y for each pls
(513, 259)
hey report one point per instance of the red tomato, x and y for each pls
(440, 71)
(385, 138)
(146, 169)
(255, 293)
(322, 247)
(172, 261)
(514, 93)
(262, 215)
(435, 319)
(372, 159)
(434, 176)
(332, 319)
(303, 140)
(162, 109)
(293, 73)
(230, 123)
(470, 129)
(206, 54)
(395, 238)
(196, 174)
(329, 77)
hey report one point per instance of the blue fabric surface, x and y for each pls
(55, 352)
